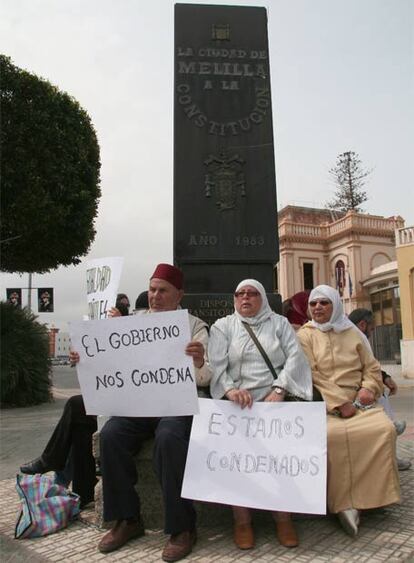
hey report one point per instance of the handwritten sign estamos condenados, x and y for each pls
(272, 456)
(102, 282)
(136, 365)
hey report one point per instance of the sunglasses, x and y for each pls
(240, 294)
(323, 302)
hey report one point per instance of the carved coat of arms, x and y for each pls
(225, 178)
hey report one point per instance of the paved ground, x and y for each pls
(385, 534)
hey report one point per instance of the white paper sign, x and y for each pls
(136, 365)
(272, 456)
(102, 282)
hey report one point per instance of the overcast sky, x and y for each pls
(341, 77)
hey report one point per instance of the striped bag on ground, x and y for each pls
(46, 507)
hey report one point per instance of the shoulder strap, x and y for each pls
(260, 348)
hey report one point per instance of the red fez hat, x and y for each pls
(170, 274)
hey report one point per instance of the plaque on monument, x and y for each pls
(213, 306)
(225, 218)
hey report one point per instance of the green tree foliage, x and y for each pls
(49, 172)
(349, 178)
(25, 365)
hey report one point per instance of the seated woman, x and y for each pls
(362, 471)
(240, 374)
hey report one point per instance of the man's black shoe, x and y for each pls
(35, 466)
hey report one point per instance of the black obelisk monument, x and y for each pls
(225, 218)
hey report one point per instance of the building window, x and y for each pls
(340, 276)
(386, 307)
(307, 275)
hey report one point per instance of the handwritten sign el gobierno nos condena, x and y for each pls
(136, 365)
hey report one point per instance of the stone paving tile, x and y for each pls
(385, 535)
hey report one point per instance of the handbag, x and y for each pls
(260, 348)
(46, 506)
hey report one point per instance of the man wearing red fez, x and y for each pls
(121, 438)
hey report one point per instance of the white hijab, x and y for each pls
(338, 321)
(265, 310)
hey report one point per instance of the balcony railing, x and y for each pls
(304, 229)
(404, 236)
(351, 221)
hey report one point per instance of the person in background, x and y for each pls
(364, 320)
(69, 449)
(122, 304)
(241, 374)
(141, 302)
(295, 309)
(362, 471)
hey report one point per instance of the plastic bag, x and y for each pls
(46, 506)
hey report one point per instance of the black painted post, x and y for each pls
(225, 215)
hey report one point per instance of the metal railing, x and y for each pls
(385, 342)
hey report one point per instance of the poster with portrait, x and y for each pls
(14, 296)
(45, 300)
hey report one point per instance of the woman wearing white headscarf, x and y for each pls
(362, 471)
(240, 374)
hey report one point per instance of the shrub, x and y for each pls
(25, 366)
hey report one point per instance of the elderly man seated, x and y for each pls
(122, 437)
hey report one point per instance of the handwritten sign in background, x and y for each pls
(102, 282)
(136, 365)
(272, 456)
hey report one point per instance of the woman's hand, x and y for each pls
(274, 397)
(240, 396)
(347, 410)
(73, 358)
(195, 349)
(114, 312)
(365, 397)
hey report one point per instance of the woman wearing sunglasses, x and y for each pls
(362, 471)
(241, 374)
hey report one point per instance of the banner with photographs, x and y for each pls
(45, 299)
